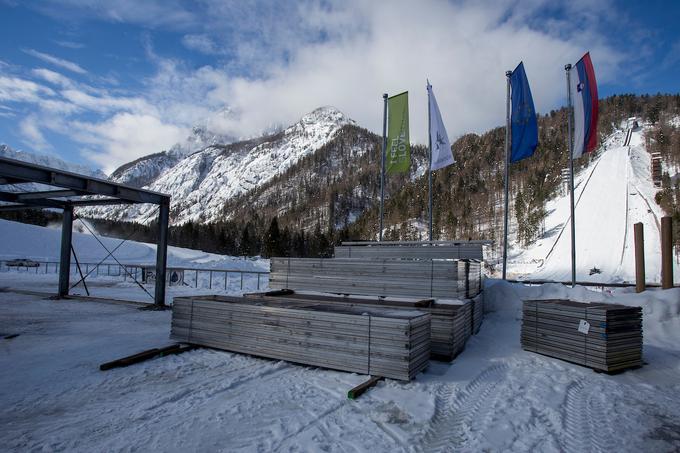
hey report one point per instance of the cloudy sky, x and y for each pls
(104, 82)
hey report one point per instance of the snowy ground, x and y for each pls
(612, 194)
(494, 396)
(43, 244)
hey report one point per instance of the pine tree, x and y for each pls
(272, 241)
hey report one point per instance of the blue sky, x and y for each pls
(102, 83)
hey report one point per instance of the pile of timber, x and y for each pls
(412, 250)
(378, 340)
(452, 322)
(477, 313)
(606, 337)
(453, 330)
(449, 279)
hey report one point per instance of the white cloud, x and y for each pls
(65, 64)
(151, 13)
(52, 77)
(277, 62)
(200, 43)
(70, 44)
(32, 135)
(124, 137)
(106, 103)
(352, 52)
(14, 89)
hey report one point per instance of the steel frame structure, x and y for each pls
(69, 190)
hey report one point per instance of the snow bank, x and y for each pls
(21, 240)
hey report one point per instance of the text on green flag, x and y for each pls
(398, 151)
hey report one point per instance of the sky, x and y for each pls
(104, 82)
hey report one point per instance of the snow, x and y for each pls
(43, 244)
(612, 194)
(493, 397)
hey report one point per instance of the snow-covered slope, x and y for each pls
(201, 182)
(21, 240)
(612, 194)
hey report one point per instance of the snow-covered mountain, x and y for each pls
(201, 182)
(143, 171)
(49, 161)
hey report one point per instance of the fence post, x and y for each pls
(196, 278)
(210, 280)
(226, 279)
(639, 257)
(258, 281)
(241, 280)
(666, 253)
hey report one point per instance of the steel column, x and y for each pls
(65, 257)
(162, 253)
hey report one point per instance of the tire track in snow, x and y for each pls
(456, 414)
(585, 420)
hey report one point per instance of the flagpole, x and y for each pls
(507, 161)
(429, 168)
(382, 166)
(570, 146)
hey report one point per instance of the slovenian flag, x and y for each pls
(584, 96)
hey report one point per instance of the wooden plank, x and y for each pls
(613, 340)
(376, 340)
(360, 389)
(146, 355)
(451, 323)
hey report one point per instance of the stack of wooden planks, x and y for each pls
(412, 250)
(380, 341)
(451, 321)
(477, 313)
(451, 328)
(409, 278)
(606, 337)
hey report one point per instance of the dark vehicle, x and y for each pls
(23, 263)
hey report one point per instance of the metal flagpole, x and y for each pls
(382, 165)
(570, 145)
(429, 168)
(507, 162)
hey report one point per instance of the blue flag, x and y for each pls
(523, 120)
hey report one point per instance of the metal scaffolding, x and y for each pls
(69, 190)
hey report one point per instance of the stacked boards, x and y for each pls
(477, 313)
(378, 340)
(412, 250)
(376, 277)
(452, 322)
(606, 337)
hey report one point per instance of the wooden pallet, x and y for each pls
(378, 341)
(613, 340)
(385, 277)
(451, 322)
(372, 250)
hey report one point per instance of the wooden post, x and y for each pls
(639, 257)
(666, 253)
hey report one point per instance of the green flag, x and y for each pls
(398, 151)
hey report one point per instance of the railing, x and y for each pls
(186, 276)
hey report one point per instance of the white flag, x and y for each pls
(439, 139)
